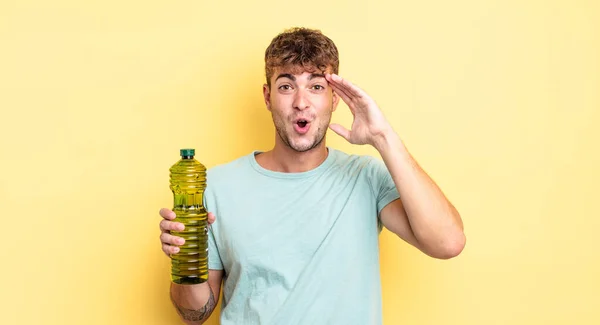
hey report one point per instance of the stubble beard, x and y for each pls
(284, 135)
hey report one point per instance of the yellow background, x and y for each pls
(497, 100)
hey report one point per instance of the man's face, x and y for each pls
(301, 106)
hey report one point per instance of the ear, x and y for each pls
(267, 96)
(335, 99)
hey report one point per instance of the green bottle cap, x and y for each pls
(187, 152)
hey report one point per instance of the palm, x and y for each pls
(368, 122)
(359, 132)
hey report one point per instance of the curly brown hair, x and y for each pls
(301, 49)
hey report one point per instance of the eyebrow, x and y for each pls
(289, 76)
(286, 75)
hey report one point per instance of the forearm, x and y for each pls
(434, 221)
(194, 303)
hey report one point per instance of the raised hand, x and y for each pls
(369, 122)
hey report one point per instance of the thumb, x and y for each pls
(211, 218)
(340, 130)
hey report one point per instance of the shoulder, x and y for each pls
(228, 171)
(354, 161)
(364, 168)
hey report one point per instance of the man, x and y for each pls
(294, 230)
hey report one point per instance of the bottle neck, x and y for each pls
(187, 157)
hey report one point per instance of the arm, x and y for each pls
(195, 303)
(423, 216)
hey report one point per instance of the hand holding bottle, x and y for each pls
(171, 243)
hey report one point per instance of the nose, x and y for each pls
(301, 102)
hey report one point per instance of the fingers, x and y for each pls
(349, 87)
(345, 85)
(170, 215)
(341, 131)
(166, 226)
(166, 238)
(170, 242)
(168, 249)
(345, 97)
(167, 214)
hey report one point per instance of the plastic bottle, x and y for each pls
(188, 182)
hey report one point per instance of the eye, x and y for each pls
(285, 87)
(318, 87)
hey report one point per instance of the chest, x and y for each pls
(283, 228)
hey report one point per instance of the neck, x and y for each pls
(285, 159)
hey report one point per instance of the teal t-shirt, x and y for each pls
(299, 248)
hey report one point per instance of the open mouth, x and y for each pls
(301, 126)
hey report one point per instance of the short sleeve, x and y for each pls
(383, 186)
(214, 258)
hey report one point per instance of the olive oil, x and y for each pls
(188, 182)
